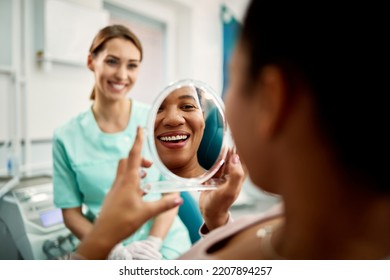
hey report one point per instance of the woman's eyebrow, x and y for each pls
(187, 96)
(130, 60)
(112, 56)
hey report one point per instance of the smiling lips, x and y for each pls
(173, 140)
(117, 86)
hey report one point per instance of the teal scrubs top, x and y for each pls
(85, 160)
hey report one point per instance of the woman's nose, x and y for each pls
(173, 117)
(121, 73)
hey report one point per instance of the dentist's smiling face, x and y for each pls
(179, 130)
(116, 68)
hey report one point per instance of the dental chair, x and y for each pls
(190, 214)
(211, 143)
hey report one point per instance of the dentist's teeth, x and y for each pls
(173, 138)
(118, 86)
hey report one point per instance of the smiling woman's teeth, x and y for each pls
(174, 138)
(118, 86)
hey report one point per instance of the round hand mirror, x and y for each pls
(187, 136)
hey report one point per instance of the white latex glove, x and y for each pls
(148, 249)
(119, 252)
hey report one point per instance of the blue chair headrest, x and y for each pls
(211, 143)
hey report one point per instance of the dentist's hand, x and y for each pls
(215, 204)
(123, 210)
(119, 252)
(148, 249)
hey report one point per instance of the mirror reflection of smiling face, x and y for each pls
(179, 130)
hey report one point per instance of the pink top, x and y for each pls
(199, 250)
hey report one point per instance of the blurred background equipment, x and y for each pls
(30, 226)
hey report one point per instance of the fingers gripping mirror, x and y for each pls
(187, 136)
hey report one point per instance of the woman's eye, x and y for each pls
(188, 107)
(132, 66)
(111, 61)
